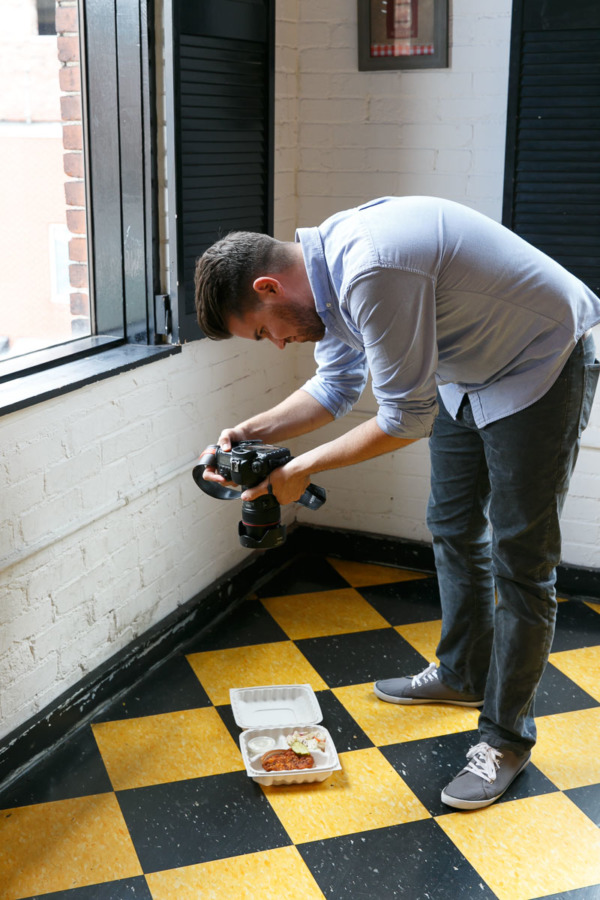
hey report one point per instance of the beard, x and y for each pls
(306, 323)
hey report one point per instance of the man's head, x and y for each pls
(250, 285)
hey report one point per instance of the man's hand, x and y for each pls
(231, 436)
(227, 437)
(288, 483)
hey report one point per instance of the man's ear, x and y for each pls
(267, 287)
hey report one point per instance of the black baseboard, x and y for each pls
(78, 705)
(571, 581)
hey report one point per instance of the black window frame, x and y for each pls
(118, 98)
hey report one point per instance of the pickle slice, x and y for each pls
(300, 748)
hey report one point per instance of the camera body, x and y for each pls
(250, 462)
(247, 464)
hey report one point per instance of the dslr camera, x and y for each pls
(247, 464)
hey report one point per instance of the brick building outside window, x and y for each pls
(43, 245)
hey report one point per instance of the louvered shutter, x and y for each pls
(552, 177)
(223, 66)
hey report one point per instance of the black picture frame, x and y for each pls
(402, 34)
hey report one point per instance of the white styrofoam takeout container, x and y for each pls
(326, 761)
(273, 712)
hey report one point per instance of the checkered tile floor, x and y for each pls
(152, 800)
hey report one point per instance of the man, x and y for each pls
(476, 340)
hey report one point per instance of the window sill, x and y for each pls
(53, 382)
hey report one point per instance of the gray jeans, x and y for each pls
(513, 475)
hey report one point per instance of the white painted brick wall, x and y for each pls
(109, 533)
(102, 531)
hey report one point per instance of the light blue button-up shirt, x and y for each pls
(425, 293)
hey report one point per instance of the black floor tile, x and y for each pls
(405, 602)
(127, 889)
(226, 714)
(361, 656)
(428, 765)
(415, 861)
(588, 800)
(171, 687)
(187, 822)
(249, 623)
(304, 575)
(344, 731)
(556, 693)
(576, 626)
(75, 769)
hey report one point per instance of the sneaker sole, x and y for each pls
(412, 701)
(457, 803)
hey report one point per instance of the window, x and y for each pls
(89, 119)
(46, 16)
(58, 252)
(219, 80)
(40, 114)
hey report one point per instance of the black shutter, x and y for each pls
(223, 65)
(552, 175)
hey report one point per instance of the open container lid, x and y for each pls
(275, 705)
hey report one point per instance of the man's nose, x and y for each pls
(279, 342)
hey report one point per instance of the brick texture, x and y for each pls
(75, 193)
(76, 221)
(67, 28)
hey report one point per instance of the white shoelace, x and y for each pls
(485, 761)
(428, 674)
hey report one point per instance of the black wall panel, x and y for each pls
(223, 73)
(552, 176)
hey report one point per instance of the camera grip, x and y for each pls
(313, 497)
(209, 458)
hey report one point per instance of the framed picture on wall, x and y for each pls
(402, 34)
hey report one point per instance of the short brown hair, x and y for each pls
(225, 274)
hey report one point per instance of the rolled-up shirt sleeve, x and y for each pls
(396, 315)
(341, 375)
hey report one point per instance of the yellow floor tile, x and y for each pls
(168, 747)
(273, 873)
(424, 637)
(528, 848)
(321, 613)
(581, 666)
(362, 574)
(390, 723)
(566, 750)
(261, 664)
(63, 845)
(368, 793)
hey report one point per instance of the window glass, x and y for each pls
(43, 248)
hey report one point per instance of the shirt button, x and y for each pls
(328, 305)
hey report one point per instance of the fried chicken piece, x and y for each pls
(286, 760)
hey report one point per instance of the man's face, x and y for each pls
(282, 322)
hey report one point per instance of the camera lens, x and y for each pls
(261, 526)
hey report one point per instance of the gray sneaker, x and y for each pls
(485, 778)
(423, 688)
